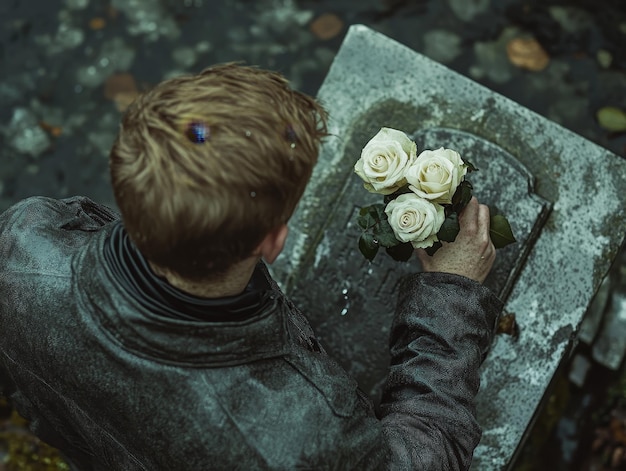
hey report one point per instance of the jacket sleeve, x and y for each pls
(22, 227)
(442, 330)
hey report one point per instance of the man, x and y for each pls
(159, 341)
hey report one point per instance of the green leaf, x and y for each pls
(367, 246)
(449, 229)
(370, 215)
(386, 239)
(500, 232)
(401, 252)
(462, 195)
(384, 234)
(470, 166)
(612, 118)
(365, 222)
(377, 211)
(433, 248)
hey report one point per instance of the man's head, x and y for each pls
(205, 166)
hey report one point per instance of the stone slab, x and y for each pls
(571, 228)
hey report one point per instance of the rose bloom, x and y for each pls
(436, 174)
(384, 160)
(414, 219)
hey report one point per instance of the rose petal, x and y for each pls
(390, 134)
(413, 218)
(436, 174)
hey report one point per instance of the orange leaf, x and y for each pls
(54, 131)
(122, 89)
(124, 100)
(527, 53)
(97, 23)
(326, 26)
(119, 83)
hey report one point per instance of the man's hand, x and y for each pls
(472, 254)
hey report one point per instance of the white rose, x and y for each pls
(435, 174)
(384, 160)
(414, 219)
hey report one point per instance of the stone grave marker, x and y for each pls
(563, 195)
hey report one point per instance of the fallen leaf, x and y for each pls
(97, 23)
(527, 53)
(119, 83)
(612, 118)
(123, 100)
(122, 89)
(54, 131)
(507, 325)
(326, 26)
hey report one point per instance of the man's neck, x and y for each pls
(231, 283)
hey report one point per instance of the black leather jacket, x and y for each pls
(117, 387)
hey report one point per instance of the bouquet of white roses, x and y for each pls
(423, 196)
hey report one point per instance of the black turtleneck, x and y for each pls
(154, 293)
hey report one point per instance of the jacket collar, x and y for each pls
(178, 341)
(134, 274)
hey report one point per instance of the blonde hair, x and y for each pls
(196, 208)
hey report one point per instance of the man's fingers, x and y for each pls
(468, 219)
(471, 210)
(483, 220)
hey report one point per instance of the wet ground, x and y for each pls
(68, 68)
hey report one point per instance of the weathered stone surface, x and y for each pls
(361, 287)
(148, 18)
(376, 82)
(24, 134)
(115, 56)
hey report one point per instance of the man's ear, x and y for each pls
(272, 245)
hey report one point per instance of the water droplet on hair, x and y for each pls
(293, 145)
(253, 194)
(248, 133)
